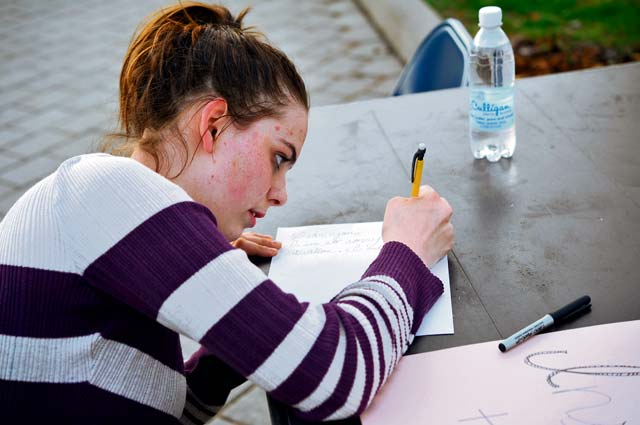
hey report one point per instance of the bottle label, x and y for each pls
(491, 111)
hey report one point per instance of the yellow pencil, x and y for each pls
(416, 169)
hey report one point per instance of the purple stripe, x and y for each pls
(154, 259)
(134, 329)
(252, 330)
(434, 289)
(27, 402)
(400, 318)
(367, 354)
(48, 304)
(387, 323)
(421, 287)
(402, 312)
(341, 392)
(310, 372)
(379, 343)
(201, 369)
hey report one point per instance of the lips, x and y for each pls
(253, 216)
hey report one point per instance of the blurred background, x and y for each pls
(551, 36)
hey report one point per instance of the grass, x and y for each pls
(611, 24)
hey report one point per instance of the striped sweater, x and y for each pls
(104, 262)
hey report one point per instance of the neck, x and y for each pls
(145, 159)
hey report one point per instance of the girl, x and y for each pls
(106, 261)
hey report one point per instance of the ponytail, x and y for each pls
(194, 51)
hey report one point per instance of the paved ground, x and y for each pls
(59, 67)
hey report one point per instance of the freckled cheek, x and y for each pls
(250, 180)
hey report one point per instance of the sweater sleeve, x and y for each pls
(148, 245)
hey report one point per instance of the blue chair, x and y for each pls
(440, 62)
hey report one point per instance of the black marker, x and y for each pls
(569, 311)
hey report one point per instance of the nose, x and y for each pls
(277, 195)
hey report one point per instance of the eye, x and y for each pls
(279, 160)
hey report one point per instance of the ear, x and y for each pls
(212, 120)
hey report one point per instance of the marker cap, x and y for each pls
(571, 309)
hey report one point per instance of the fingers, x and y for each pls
(449, 236)
(431, 195)
(261, 239)
(447, 208)
(252, 248)
(257, 244)
(425, 190)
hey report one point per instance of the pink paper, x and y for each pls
(582, 376)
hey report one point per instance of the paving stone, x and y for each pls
(384, 84)
(28, 172)
(93, 99)
(76, 145)
(34, 143)
(7, 199)
(367, 50)
(14, 95)
(12, 114)
(49, 97)
(385, 66)
(83, 122)
(8, 135)
(50, 117)
(7, 161)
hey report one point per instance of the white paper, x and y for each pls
(317, 262)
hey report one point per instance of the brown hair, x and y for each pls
(191, 52)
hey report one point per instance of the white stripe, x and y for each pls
(69, 219)
(404, 307)
(97, 191)
(371, 290)
(393, 298)
(330, 380)
(387, 350)
(202, 300)
(395, 285)
(46, 360)
(106, 364)
(390, 351)
(373, 342)
(291, 351)
(30, 232)
(350, 407)
(133, 374)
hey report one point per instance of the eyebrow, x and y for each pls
(294, 153)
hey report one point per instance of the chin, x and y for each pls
(232, 235)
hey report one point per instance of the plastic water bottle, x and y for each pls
(491, 84)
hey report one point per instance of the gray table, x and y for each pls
(559, 220)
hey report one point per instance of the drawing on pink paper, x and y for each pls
(587, 376)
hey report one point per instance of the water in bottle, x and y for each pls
(491, 86)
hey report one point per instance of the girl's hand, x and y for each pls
(423, 223)
(257, 244)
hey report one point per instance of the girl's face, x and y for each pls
(242, 174)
